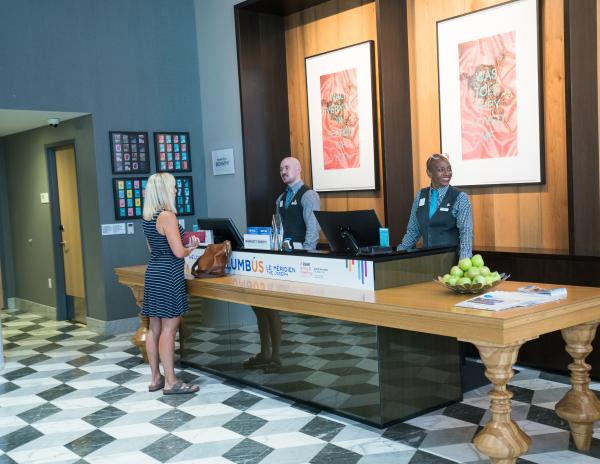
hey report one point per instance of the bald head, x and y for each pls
(290, 170)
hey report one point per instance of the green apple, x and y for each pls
(477, 260)
(456, 271)
(452, 281)
(472, 272)
(484, 270)
(445, 278)
(480, 280)
(465, 264)
(463, 281)
(495, 276)
(489, 279)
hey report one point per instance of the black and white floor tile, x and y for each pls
(68, 395)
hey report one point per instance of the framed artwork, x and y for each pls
(172, 151)
(129, 152)
(129, 197)
(341, 118)
(490, 89)
(184, 200)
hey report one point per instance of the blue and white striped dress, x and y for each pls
(165, 294)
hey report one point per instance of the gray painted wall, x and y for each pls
(222, 128)
(6, 261)
(222, 121)
(27, 177)
(131, 64)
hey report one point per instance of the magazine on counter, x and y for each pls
(535, 290)
(499, 300)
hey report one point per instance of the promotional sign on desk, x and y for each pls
(340, 272)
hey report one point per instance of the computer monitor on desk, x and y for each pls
(348, 231)
(223, 229)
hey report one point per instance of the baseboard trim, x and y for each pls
(116, 327)
(12, 304)
(39, 309)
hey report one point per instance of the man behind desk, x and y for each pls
(296, 206)
(441, 214)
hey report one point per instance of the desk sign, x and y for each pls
(337, 272)
(223, 162)
(257, 241)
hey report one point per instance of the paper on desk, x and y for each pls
(499, 300)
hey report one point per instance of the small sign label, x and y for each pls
(44, 197)
(223, 162)
(113, 229)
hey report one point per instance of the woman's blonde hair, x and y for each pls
(159, 194)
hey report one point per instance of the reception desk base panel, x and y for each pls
(373, 374)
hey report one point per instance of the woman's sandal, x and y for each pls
(159, 386)
(181, 388)
(256, 362)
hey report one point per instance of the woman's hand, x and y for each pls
(193, 243)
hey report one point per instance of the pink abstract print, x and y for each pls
(488, 97)
(339, 115)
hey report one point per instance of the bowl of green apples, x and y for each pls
(471, 275)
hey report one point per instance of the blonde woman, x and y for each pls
(165, 297)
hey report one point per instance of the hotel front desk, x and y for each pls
(389, 353)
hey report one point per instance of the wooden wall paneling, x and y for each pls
(582, 123)
(326, 27)
(395, 114)
(264, 108)
(554, 212)
(528, 216)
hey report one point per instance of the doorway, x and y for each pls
(70, 285)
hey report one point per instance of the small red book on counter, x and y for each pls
(187, 236)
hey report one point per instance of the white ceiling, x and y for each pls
(13, 121)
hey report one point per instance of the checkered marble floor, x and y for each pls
(68, 395)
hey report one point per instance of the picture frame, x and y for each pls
(490, 95)
(128, 194)
(340, 91)
(184, 199)
(172, 152)
(129, 152)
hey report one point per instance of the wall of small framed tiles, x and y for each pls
(129, 152)
(129, 155)
(172, 150)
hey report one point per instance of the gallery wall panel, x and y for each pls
(316, 30)
(526, 216)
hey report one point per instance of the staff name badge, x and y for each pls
(281, 203)
(443, 209)
(421, 201)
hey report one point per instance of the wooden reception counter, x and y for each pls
(427, 308)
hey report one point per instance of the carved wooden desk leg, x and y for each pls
(501, 439)
(580, 407)
(139, 337)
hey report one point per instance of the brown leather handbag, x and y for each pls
(212, 263)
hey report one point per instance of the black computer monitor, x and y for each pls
(362, 225)
(223, 229)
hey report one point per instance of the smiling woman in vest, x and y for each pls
(441, 214)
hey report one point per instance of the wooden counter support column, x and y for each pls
(139, 337)
(580, 407)
(501, 439)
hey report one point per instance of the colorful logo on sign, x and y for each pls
(359, 266)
